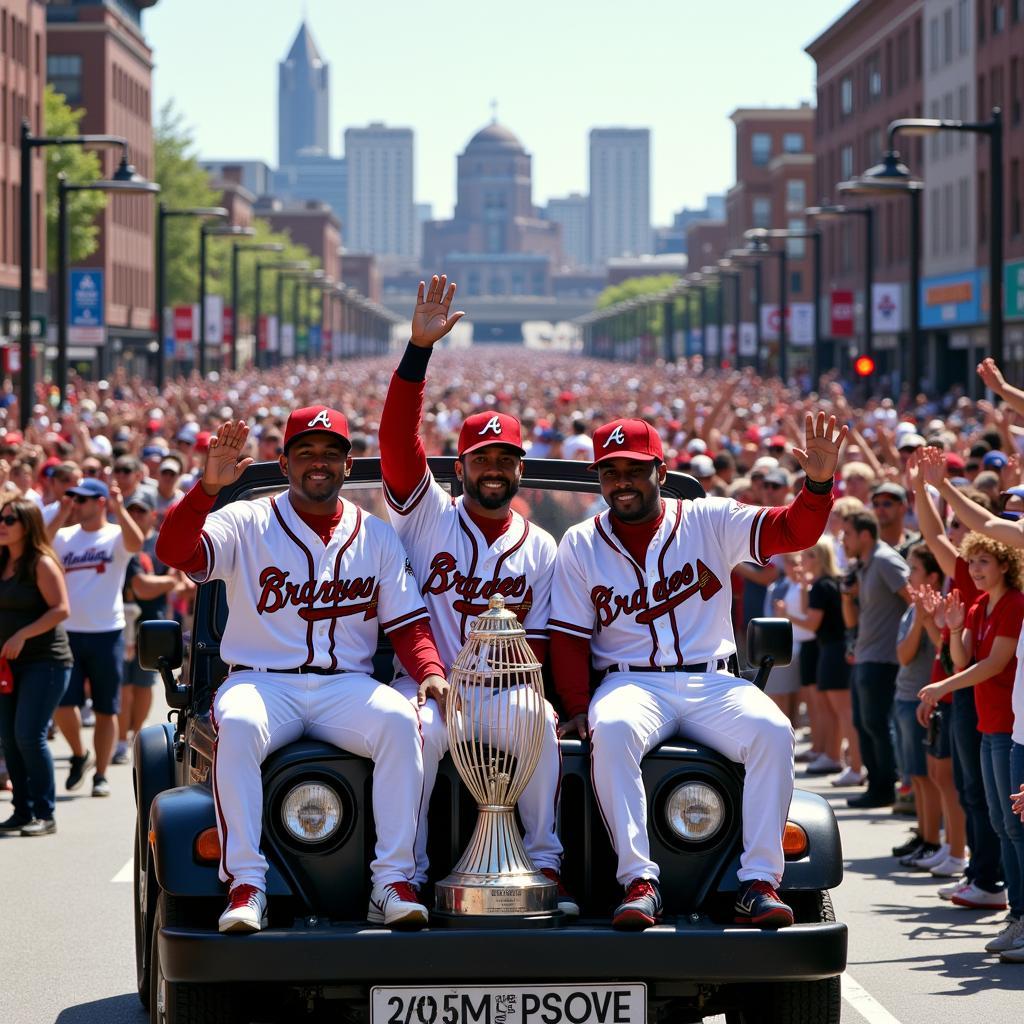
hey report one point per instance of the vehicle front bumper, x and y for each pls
(684, 950)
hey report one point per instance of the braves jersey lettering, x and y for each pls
(324, 602)
(493, 424)
(644, 614)
(460, 572)
(615, 437)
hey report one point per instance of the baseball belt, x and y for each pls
(697, 666)
(300, 671)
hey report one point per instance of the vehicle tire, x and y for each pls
(795, 1002)
(186, 1003)
(143, 903)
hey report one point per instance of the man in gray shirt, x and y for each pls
(874, 601)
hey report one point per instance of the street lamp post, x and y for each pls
(235, 318)
(891, 177)
(204, 231)
(727, 269)
(28, 144)
(64, 187)
(834, 212)
(282, 276)
(750, 259)
(257, 311)
(162, 214)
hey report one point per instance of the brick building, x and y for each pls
(22, 79)
(870, 70)
(97, 55)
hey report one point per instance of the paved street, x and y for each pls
(68, 953)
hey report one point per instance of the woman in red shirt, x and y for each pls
(983, 642)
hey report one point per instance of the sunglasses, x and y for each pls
(773, 487)
(90, 471)
(81, 499)
(9, 520)
(123, 470)
(883, 504)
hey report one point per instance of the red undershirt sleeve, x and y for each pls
(179, 543)
(570, 667)
(414, 644)
(403, 459)
(797, 526)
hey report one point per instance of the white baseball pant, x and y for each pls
(631, 713)
(538, 805)
(256, 713)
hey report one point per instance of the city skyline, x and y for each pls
(692, 151)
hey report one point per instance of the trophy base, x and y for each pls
(505, 899)
(548, 919)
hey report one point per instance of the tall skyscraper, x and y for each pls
(380, 216)
(303, 102)
(573, 213)
(313, 175)
(620, 193)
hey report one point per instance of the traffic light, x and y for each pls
(864, 366)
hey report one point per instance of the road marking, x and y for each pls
(127, 873)
(865, 1003)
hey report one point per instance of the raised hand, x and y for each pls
(956, 613)
(915, 478)
(991, 375)
(932, 465)
(224, 462)
(431, 320)
(820, 456)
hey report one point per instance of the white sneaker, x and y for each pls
(951, 867)
(1010, 937)
(246, 912)
(947, 892)
(88, 715)
(975, 898)
(396, 904)
(848, 777)
(823, 765)
(926, 863)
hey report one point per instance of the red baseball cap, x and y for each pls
(955, 462)
(627, 439)
(315, 419)
(777, 441)
(202, 441)
(490, 427)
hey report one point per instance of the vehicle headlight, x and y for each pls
(695, 811)
(311, 812)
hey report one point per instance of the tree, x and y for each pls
(185, 184)
(81, 166)
(635, 288)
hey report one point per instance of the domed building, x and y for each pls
(496, 244)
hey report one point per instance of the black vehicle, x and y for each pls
(320, 958)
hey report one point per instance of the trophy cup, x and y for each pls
(496, 722)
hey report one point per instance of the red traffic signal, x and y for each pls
(864, 366)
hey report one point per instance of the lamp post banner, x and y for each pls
(842, 314)
(86, 324)
(799, 322)
(711, 339)
(748, 339)
(887, 308)
(1013, 289)
(287, 340)
(214, 319)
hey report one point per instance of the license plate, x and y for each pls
(510, 1004)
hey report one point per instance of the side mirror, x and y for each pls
(161, 650)
(769, 643)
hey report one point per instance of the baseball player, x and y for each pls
(465, 550)
(309, 577)
(643, 590)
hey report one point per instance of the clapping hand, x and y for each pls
(224, 462)
(820, 456)
(431, 320)
(991, 375)
(956, 613)
(931, 463)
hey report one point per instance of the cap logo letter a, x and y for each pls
(617, 436)
(322, 418)
(492, 424)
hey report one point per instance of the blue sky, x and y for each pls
(555, 68)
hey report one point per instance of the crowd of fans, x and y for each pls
(906, 614)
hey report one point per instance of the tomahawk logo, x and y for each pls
(617, 436)
(492, 424)
(322, 418)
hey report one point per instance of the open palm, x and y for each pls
(432, 319)
(819, 457)
(224, 464)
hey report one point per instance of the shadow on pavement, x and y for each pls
(974, 972)
(124, 1009)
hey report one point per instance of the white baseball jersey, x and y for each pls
(295, 602)
(458, 573)
(677, 609)
(94, 564)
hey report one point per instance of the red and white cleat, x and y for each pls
(246, 912)
(396, 904)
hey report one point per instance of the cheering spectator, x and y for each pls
(33, 604)
(889, 503)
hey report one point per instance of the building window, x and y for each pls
(64, 73)
(998, 17)
(796, 282)
(935, 219)
(933, 44)
(1015, 91)
(761, 212)
(846, 96)
(846, 163)
(981, 22)
(796, 195)
(947, 36)
(796, 248)
(963, 23)
(792, 142)
(962, 113)
(965, 213)
(982, 202)
(1015, 212)
(947, 217)
(760, 148)
(1017, 11)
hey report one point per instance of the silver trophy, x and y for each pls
(496, 722)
